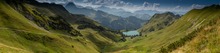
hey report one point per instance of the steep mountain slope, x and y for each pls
(191, 31)
(30, 27)
(158, 22)
(133, 23)
(105, 19)
(206, 39)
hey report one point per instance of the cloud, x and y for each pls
(119, 4)
(197, 6)
(55, 1)
(177, 8)
(102, 2)
(155, 6)
(85, 1)
(145, 4)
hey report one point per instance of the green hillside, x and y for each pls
(27, 26)
(195, 32)
(30, 27)
(158, 22)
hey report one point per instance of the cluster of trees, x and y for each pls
(179, 43)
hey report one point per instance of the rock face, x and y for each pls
(158, 22)
(108, 20)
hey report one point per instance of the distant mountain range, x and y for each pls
(109, 20)
(125, 14)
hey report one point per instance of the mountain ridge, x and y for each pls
(123, 13)
(108, 20)
(158, 22)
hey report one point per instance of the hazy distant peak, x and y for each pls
(71, 4)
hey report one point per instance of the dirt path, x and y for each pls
(14, 48)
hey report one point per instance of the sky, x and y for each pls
(181, 6)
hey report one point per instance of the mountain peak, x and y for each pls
(168, 13)
(70, 4)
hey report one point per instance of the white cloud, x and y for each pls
(155, 6)
(88, 5)
(56, 1)
(145, 4)
(197, 6)
(85, 1)
(177, 7)
(102, 2)
(118, 4)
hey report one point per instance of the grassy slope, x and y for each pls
(207, 41)
(20, 35)
(158, 22)
(102, 38)
(16, 32)
(190, 22)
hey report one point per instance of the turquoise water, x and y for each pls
(131, 33)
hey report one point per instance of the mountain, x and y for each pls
(149, 12)
(195, 32)
(105, 19)
(27, 26)
(118, 12)
(123, 13)
(30, 27)
(133, 23)
(158, 22)
(142, 16)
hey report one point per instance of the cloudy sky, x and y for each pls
(135, 5)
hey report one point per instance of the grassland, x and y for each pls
(192, 21)
(26, 28)
(41, 28)
(158, 22)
